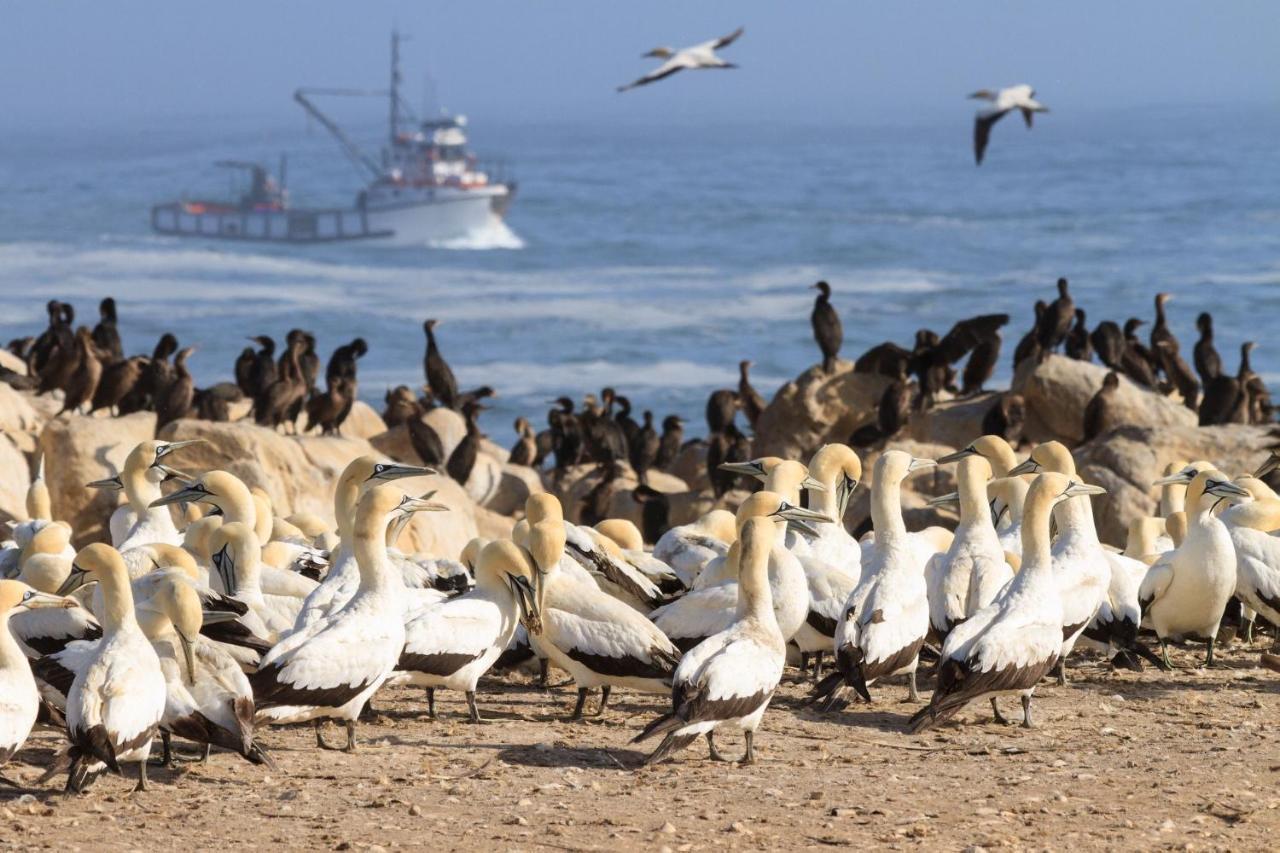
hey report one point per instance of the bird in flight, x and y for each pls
(1021, 97)
(698, 56)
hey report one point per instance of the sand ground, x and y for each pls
(1188, 760)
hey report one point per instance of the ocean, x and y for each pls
(653, 259)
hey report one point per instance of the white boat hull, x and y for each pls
(409, 217)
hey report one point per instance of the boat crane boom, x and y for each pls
(353, 152)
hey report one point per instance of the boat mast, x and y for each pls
(395, 85)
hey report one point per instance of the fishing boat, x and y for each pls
(427, 187)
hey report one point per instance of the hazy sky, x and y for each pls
(101, 63)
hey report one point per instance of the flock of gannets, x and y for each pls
(211, 632)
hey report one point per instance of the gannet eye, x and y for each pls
(27, 596)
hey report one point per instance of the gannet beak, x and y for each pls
(921, 464)
(411, 505)
(111, 483)
(1227, 489)
(1181, 478)
(527, 600)
(1077, 489)
(1272, 463)
(944, 500)
(78, 578)
(188, 652)
(746, 469)
(36, 600)
(193, 493)
(795, 513)
(225, 565)
(1030, 466)
(395, 471)
(165, 449)
(957, 456)
(812, 485)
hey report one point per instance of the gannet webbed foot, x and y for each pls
(714, 753)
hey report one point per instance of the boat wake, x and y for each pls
(496, 234)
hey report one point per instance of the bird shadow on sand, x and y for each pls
(556, 755)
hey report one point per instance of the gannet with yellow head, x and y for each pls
(21, 701)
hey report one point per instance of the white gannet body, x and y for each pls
(332, 667)
(687, 549)
(727, 681)
(1009, 645)
(19, 700)
(884, 621)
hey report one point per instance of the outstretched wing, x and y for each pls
(666, 69)
(725, 41)
(982, 132)
(965, 335)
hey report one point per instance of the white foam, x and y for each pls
(495, 235)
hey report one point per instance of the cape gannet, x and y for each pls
(1021, 98)
(696, 57)
(19, 701)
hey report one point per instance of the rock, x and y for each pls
(445, 534)
(1126, 461)
(490, 525)
(1059, 389)
(485, 480)
(17, 414)
(577, 483)
(449, 425)
(9, 361)
(817, 408)
(395, 443)
(691, 465)
(78, 450)
(497, 451)
(15, 480)
(518, 483)
(363, 422)
(953, 422)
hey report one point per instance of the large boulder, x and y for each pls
(1128, 460)
(78, 450)
(952, 422)
(1059, 389)
(443, 534)
(518, 483)
(9, 361)
(363, 422)
(817, 408)
(15, 480)
(17, 414)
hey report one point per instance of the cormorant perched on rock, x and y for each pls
(827, 330)
(106, 335)
(280, 398)
(748, 397)
(1078, 345)
(598, 503)
(895, 407)
(117, 380)
(986, 351)
(156, 376)
(624, 420)
(655, 512)
(1006, 418)
(1224, 402)
(308, 367)
(330, 410)
(1160, 330)
(463, 458)
(1029, 347)
(426, 442)
(1136, 361)
(475, 395)
(437, 371)
(399, 405)
(245, 364)
(1108, 342)
(728, 446)
(722, 406)
(1098, 416)
(214, 403)
(86, 373)
(174, 401)
(670, 443)
(566, 436)
(48, 340)
(1208, 362)
(644, 448)
(1178, 372)
(525, 450)
(259, 374)
(1257, 395)
(1057, 319)
(602, 437)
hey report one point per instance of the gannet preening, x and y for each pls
(454, 643)
(19, 700)
(885, 620)
(117, 696)
(698, 56)
(967, 577)
(208, 699)
(1021, 97)
(688, 548)
(331, 667)
(1186, 591)
(588, 633)
(728, 680)
(1009, 645)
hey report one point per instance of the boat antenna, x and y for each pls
(395, 85)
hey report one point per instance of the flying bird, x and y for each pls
(698, 56)
(1021, 97)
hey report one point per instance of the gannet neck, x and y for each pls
(973, 474)
(117, 598)
(886, 511)
(755, 596)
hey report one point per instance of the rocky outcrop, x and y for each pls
(1126, 461)
(15, 479)
(517, 484)
(817, 408)
(363, 422)
(952, 422)
(1058, 390)
(78, 450)
(9, 361)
